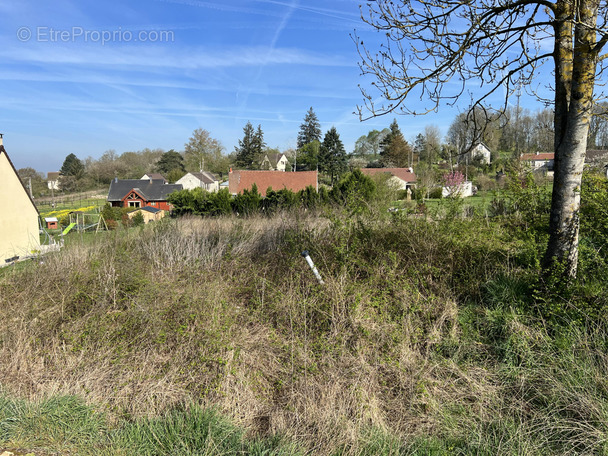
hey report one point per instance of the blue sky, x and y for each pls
(84, 77)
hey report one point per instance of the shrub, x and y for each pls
(138, 219)
(436, 193)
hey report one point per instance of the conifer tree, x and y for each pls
(395, 150)
(310, 129)
(250, 147)
(332, 155)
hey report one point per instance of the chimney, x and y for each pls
(1, 135)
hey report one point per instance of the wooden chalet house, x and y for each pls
(141, 193)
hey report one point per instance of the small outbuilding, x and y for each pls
(52, 223)
(149, 213)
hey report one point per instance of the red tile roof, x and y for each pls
(240, 180)
(405, 174)
(536, 157)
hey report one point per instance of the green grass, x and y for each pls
(66, 425)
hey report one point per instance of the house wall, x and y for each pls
(463, 190)
(190, 182)
(165, 206)
(481, 151)
(19, 233)
(282, 163)
(148, 216)
(399, 183)
(537, 164)
(132, 200)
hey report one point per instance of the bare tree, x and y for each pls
(204, 153)
(496, 44)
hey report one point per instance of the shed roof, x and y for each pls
(152, 210)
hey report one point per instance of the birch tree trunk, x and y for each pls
(575, 77)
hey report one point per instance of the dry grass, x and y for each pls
(224, 313)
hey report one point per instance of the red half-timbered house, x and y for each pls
(141, 193)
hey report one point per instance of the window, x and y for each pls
(134, 203)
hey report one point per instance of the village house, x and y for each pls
(479, 152)
(141, 193)
(274, 162)
(154, 176)
(204, 179)
(19, 224)
(240, 180)
(52, 180)
(539, 161)
(401, 178)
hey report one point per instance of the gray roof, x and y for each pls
(152, 210)
(205, 177)
(151, 190)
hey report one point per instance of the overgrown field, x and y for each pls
(212, 336)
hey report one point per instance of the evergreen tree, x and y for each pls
(72, 166)
(249, 150)
(308, 156)
(169, 161)
(332, 155)
(310, 130)
(394, 149)
(258, 146)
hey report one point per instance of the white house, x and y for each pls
(204, 180)
(539, 161)
(402, 178)
(154, 176)
(274, 162)
(52, 180)
(19, 226)
(481, 153)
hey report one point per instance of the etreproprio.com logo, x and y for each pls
(73, 34)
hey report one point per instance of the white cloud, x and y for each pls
(166, 55)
